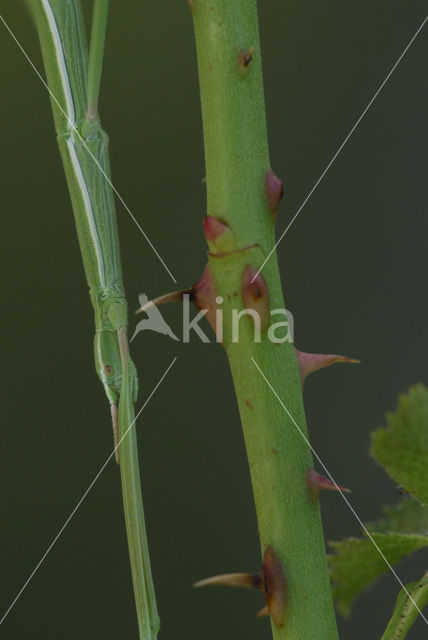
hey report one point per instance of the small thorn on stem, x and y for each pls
(245, 580)
(173, 296)
(274, 191)
(316, 483)
(115, 422)
(218, 234)
(271, 581)
(202, 294)
(310, 362)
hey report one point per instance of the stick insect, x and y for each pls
(73, 78)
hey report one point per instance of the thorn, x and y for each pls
(218, 234)
(271, 582)
(310, 362)
(255, 294)
(244, 59)
(274, 586)
(115, 422)
(173, 296)
(273, 190)
(202, 294)
(316, 483)
(245, 580)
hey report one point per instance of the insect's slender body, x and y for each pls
(84, 151)
(97, 230)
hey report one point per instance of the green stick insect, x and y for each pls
(73, 78)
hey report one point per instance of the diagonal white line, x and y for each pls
(73, 128)
(342, 145)
(367, 532)
(85, 494)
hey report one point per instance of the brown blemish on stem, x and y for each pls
(255, 294)
(244, 58)
(248, 403)
(274, 586)
(191, 4)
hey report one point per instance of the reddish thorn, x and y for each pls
(273, 190)
(204, 296)
(213, 228)
(218, 235)
(255, 294)
(263, 612)
(316, 483)
(204, 293)
(309, 362)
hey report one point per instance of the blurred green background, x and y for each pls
(354, 271)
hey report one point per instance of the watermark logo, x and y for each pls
(281, 325)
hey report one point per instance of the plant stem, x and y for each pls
(148, 619)
(84, 151)
(237, 159)
(96, 54)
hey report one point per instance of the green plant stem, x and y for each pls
(237, 159)
(84, 151)
(148, 619)
(96, 54)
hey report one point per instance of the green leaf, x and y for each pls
(402, 447)
(408, 516)
(405, 612)
(357, 562)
